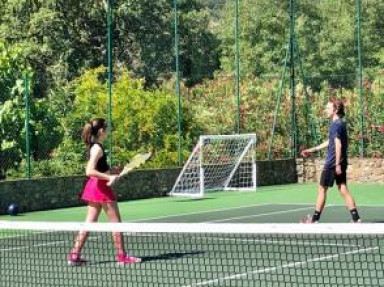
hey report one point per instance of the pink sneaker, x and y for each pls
(75, 259)
(126, 259)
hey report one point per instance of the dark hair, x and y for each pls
(339, 107)
(91, 129)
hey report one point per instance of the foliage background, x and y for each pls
(61, 46)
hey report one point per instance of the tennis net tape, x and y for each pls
(35, 254)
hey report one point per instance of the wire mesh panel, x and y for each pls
(372, 47)
(326, 40)
(194, 255)
(339, 60)
(164, 72)
(12, 125)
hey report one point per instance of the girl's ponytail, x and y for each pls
(87, 134)
(91, 130)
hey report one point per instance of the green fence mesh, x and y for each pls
(164, 72)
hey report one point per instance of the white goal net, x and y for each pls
(218, 162)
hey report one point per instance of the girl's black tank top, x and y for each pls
(102, 164)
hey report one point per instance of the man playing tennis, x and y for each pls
(336, 162)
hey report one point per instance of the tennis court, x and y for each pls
(236, 250)
(269, 204)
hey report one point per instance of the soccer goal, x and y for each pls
(218, 162)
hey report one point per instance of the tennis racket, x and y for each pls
(135, 162)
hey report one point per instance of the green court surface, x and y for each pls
(285, 203)
(198, 260)
(179, 259)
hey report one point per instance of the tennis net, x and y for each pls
(35, 254)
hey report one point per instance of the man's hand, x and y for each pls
(306, 153)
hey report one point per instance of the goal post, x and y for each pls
(218, 162)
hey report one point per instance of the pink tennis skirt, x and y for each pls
(96, 190)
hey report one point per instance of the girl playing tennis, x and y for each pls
(98, 193)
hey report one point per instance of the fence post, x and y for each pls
(359, 75)
(237, 67)
(109, 52)
(27, 130)
(177, 79)
(292, 79)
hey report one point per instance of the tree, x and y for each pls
(10, 108)
(45, 133)
(263, 34)
(145, 40)
(142, 120)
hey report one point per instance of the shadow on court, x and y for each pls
(145, 259)
(171, 256)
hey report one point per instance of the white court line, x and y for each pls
(272, 269)
(284, 242)
(228, 239)
(333, 204)
(260, 214)
(160, 217)
(23, 235)
(41, 244)
(193, 213)
(201, 212)
(32, 246)
(290, 242)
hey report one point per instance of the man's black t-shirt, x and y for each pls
(338, 129)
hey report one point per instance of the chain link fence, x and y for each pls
(164, 72)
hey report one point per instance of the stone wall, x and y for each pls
(59, 192)
(276, 172)
(359, 170)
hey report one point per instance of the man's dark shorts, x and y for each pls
(329, 176)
